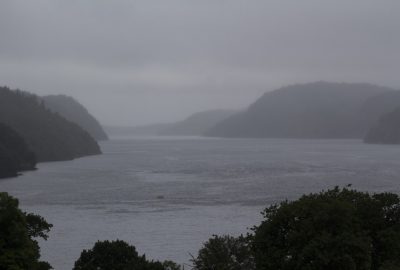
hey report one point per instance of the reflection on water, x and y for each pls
(168, 195)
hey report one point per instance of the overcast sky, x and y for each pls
(135, 62)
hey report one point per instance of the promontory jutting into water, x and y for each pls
(199, 135)
(168, 195)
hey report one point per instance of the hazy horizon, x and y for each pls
(143, 62)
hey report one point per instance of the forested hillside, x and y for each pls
(73, 111)
(14, 153)
(50, 136)
(314, 110)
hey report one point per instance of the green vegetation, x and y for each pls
(14, 153)
(73, 111)
(50, 136)
(337, 229)
(387, 129)
(117, 255)
(225, 253)
(18, 248)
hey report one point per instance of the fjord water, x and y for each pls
(168, 195)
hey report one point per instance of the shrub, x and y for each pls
(337, 229)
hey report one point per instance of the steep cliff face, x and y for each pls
(50, 136)
(72, 110)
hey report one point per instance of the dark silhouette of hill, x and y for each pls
(386, 130)
(378, 105)
(50, 136)
(313, 110)
(197, 124)
(75, 112)
(14, 153)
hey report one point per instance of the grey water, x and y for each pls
(167, 196)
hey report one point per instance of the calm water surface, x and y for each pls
(167, 196)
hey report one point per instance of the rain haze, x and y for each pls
(140, 62)
(173, 128)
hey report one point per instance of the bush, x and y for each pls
(117, 255)
(18, 249)
(337, 229)
(224, 253)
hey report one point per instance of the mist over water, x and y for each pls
(167, 196)
(200, 80)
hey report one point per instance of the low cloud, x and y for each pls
(135, 62)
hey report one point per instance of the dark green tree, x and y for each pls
(337, 229)
(224, 253)
(18, 248)
(170, 265)
(117, 255)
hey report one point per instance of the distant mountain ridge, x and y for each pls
(194, 125)
(313, 110)
(197, 124)
(50, 136)
(75, 112)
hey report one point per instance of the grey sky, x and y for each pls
(134, 62)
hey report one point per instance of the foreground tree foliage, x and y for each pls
(224, 253)
(117, 255)
(18, 249)
(337, 229)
